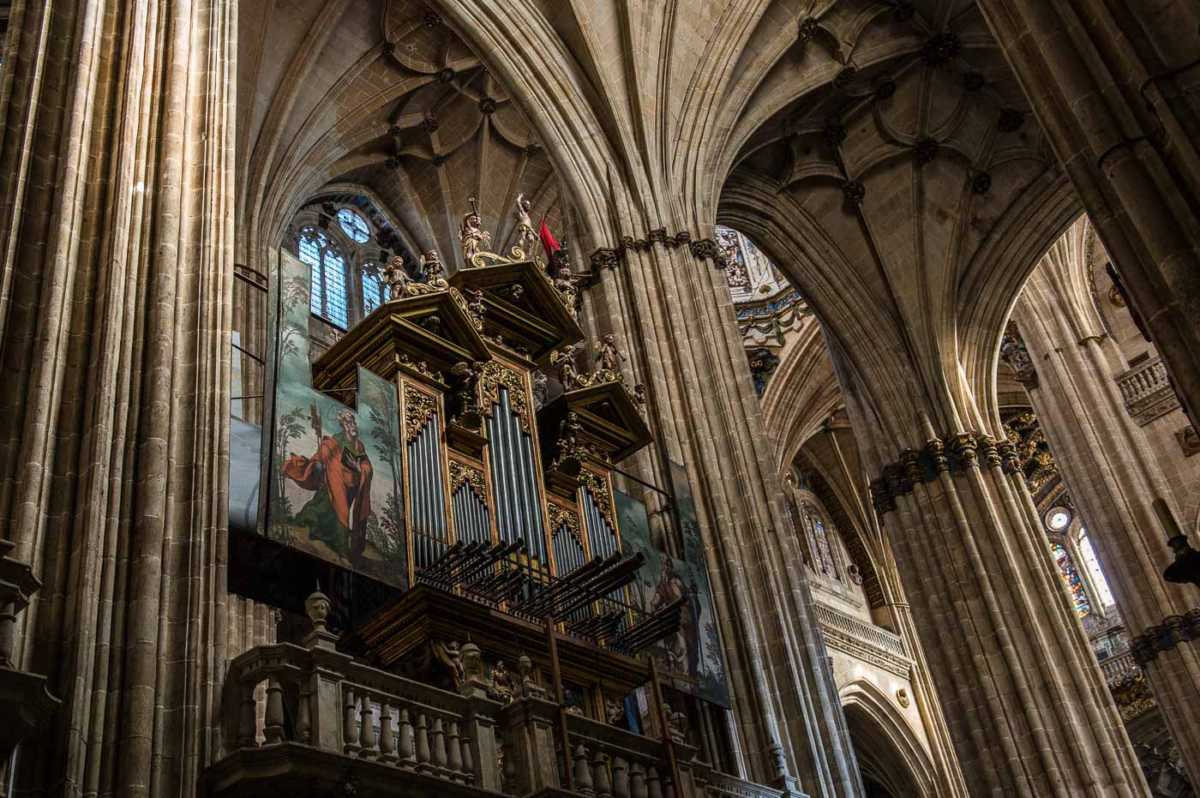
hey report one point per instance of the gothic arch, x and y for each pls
(888, 751)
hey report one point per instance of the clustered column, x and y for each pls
(1024, 699)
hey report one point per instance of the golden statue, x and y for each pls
(473, 237)
(608, 361)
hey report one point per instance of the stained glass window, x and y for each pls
(1074, 584)
(372, 289)
(821, 545)
(354, 226)
(328, 285)
(1088, 555)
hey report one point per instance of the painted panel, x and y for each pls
(693, 658)
(335, 473)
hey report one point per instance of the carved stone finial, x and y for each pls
(473, 681)
(317, 606)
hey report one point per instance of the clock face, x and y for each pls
(1058, 518)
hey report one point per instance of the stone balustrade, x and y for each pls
(1119, 667)
(1147, 391)
(308, 715)
(863, 640)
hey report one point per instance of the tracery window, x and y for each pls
(824, 560)
(1087, 555)
(328, 281)
(346, 242)
(354, 226)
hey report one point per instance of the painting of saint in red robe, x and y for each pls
(339, 473)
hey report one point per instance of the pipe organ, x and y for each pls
(509, 507)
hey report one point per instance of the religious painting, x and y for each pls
(334, 471)
(691, 658)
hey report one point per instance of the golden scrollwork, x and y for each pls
(472, 306)
(419, 407)
(461, 473)
(495, 375)
(598, 487)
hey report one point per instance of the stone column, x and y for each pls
(1112, 475)
(116, 173)
(1114, 86)
(1026, 704)
(664, 297)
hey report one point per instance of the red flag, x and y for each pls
(549, 242)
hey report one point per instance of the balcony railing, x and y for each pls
(864, 640)
(328, 722)
(1147, 391)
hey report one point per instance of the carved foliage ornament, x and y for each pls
(494, 377)
(563, 518)
(419, 407)
(462, 473)
(598, 488)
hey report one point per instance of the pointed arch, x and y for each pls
(886, 747)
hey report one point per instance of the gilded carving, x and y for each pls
(568, 373)
(419, 407)
(608, 361)
(563, 518)
(496, 376)
(462, 473)
(599, 490)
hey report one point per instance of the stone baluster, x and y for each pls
(304, 716)
(407, 746)
(273, 726)
(367, 725)
(387, 735)
(350, 723)
(582, 771)
(437, 741)
(453, 750)
(247, 717)
(653, 784)
(620, 778)
(468, 760)
(422, 744)
(600, 776)
(637, 781)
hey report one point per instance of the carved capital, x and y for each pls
(604, 258)
(898, 483)
(964, 451)
(935, 455)
(1008, 457)
(988, 448)
(881, 497)
(910, 461)
(708, 249)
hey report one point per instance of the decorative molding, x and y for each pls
(1189, 440)
(863, 640)
(1014, 353)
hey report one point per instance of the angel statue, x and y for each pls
(472, 235)
(608, 361)
(432, 271)
(396, 277)
(568, 374)
(526, 238)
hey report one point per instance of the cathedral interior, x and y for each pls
(610, 398)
